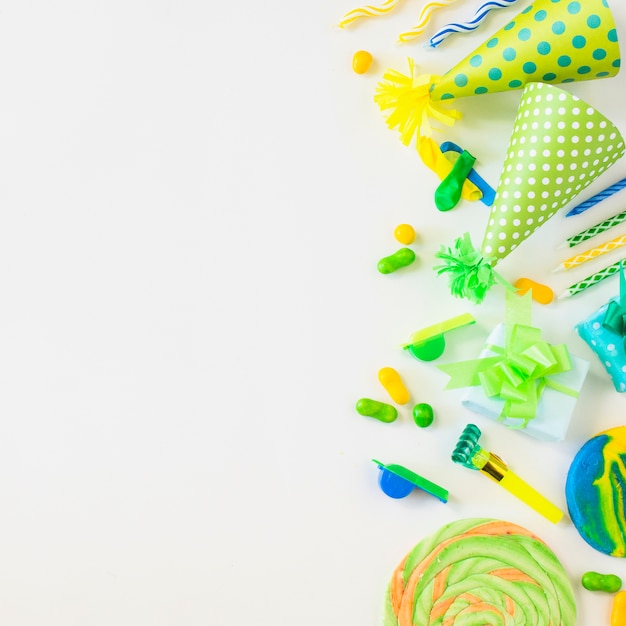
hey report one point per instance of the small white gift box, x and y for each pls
(554, 409)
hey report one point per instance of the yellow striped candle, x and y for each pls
(423, 20)
(583, 257)
(367, 11)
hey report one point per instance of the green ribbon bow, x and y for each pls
(615, 316)
(520, 371)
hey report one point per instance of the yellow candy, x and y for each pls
(540, 293)
(361, 61)
(618, 613)
(391, 381)
(404, 233)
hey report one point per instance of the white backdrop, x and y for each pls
(194, 198)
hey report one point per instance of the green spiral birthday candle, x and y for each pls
(596, 229)
(592, 280)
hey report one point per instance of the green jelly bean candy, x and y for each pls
(601, 582)
(401, 258)
(423, 414)
(377, 410)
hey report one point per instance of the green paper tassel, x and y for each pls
(470, 274)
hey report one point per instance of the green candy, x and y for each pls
(423, 414)
(401, 258)
(378, 410)
(601, 582)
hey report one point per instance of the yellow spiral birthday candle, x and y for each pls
(367, 11)
(424, 18)
(588, 255)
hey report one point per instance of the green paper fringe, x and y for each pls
(470, 274)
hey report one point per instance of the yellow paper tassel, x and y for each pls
(408, 98)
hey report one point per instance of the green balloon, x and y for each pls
(448, 193)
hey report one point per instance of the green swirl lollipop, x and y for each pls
(480, 571)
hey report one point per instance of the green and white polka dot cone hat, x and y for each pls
(550, 41)
(558, 147)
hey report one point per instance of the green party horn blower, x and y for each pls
(558, 147)
(469, 454)
(551, 41)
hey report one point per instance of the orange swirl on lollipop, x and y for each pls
(476, 571)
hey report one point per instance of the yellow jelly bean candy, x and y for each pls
(361, 61)
(391, 381)
(540, 293)
(404, 233)
(618, 613)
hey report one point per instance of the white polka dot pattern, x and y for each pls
(559, 146)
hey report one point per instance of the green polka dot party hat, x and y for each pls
(550, 41)
(558, 147)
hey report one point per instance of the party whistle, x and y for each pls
(397, 481)
(471, 455)
(429, 343)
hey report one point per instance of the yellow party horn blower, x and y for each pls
(558, 147)
(469, 454)
(550, 41)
